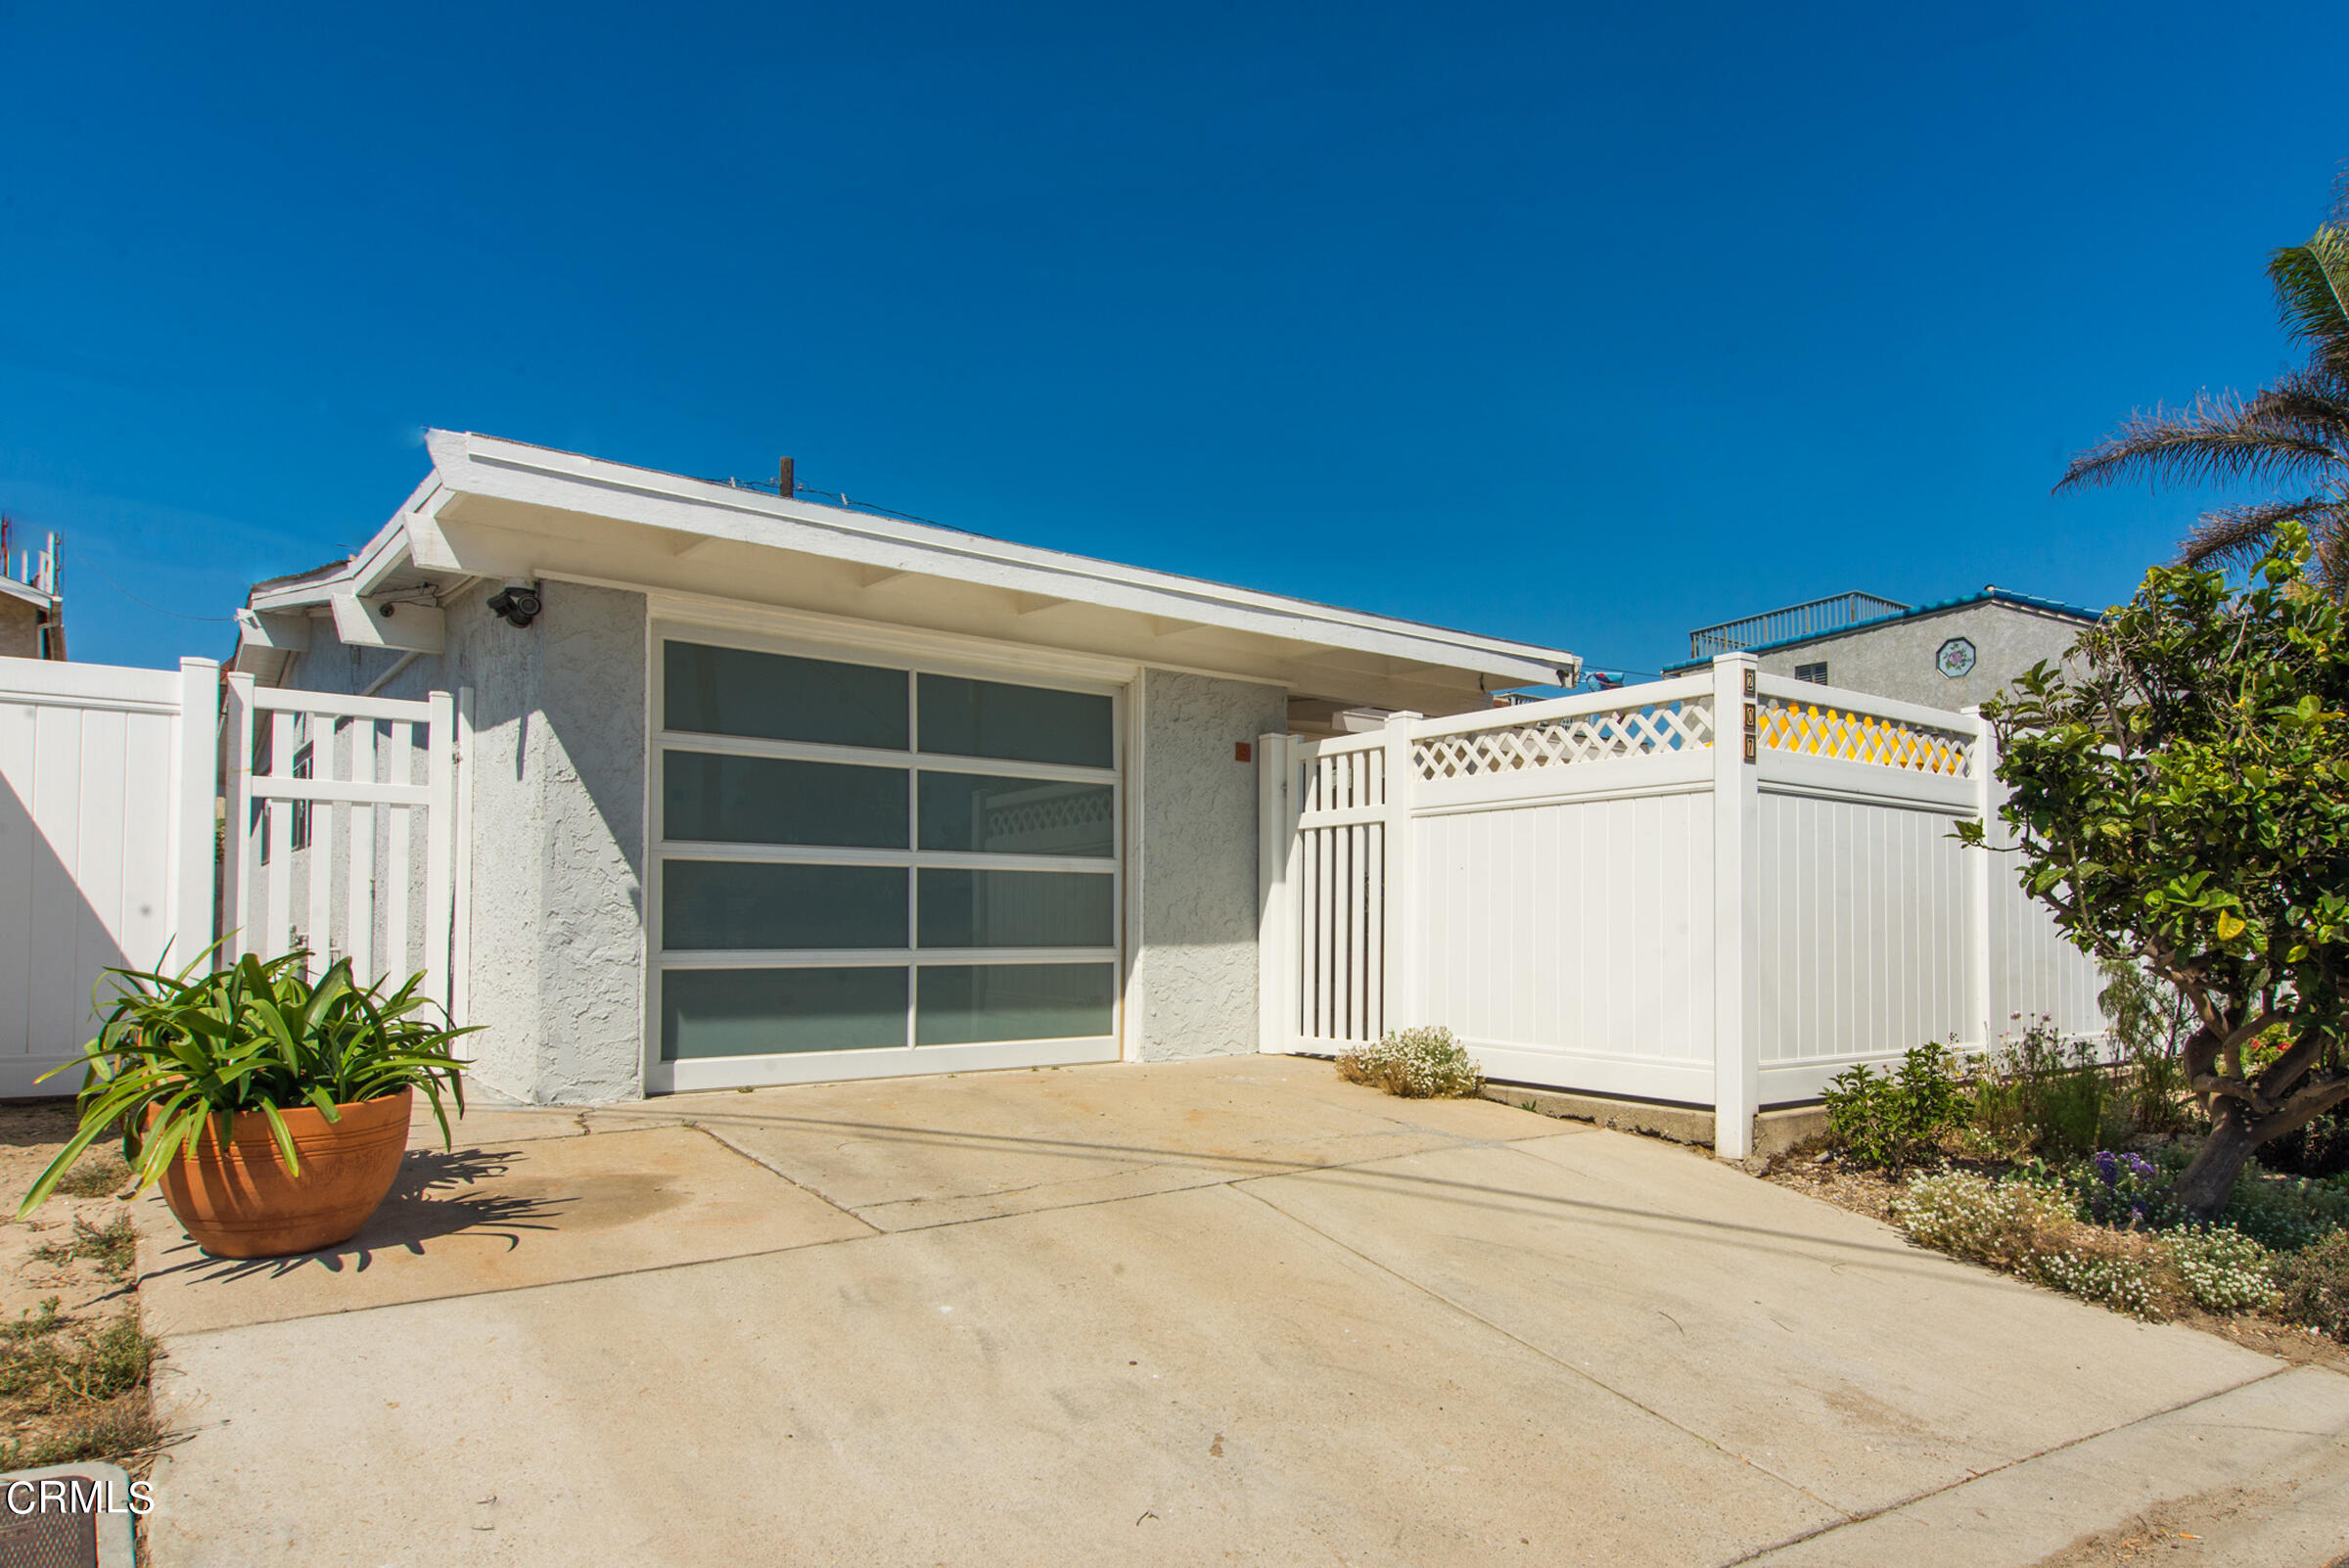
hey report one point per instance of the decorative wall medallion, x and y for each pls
(1955, 658)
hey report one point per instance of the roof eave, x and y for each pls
(495, 470)
(490, 466)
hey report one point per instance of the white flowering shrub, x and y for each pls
(1418, 1064)
(2126, 1284)
(2224, 1269)
(2031, 1227)
(2000, 1223)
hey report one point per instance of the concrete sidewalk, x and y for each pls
(1228, 1311)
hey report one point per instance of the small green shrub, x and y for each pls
(2320, 1148)
(2313, 1286)
(2043, 1094)
(2287, 1213)
(1417, 1064)
(1897, 1119)
(2150, 1022)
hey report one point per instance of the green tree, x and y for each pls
(2182, 802)
(2293, 436)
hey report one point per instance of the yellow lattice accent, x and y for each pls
(1862, 738)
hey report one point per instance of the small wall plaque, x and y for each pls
(1955, 658)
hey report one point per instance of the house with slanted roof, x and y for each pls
(758, 790)
(1950, 654)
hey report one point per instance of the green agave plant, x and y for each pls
(198, 1048)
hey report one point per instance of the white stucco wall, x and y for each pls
(1896, 660)
(554, 791)
(1193, 988)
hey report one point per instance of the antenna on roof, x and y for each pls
(786, 480)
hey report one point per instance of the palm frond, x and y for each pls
(2312, 401)
(2312, 294)
(2218, 440)
(2234, 536)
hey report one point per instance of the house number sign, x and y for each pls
(1955, 658)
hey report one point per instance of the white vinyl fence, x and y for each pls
(340, 829)
(105, 844)
(1620, 895)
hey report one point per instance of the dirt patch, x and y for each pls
(2293, 1515)
(1832, 1182)
(76, 1363)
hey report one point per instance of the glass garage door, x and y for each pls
(866, 868)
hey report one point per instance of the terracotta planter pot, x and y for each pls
(242, 1204)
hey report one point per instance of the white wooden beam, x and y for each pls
(261, 628)
(388, 623)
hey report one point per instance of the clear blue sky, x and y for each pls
(1577, 324)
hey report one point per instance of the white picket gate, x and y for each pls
(1619, 895)
(324, 849)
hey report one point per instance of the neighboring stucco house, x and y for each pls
(763, 791)
(1950, 654)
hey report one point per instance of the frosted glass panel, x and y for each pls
(962, 1003)
(734, 691)
(761, 1012)
(1016, 908)
(767, 800)
(1017, 815)
(1017, 724)
(725, 904)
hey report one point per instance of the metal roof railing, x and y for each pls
(1796, 621)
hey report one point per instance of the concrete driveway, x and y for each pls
(1228, 1312)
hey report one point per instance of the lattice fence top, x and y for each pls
(1788, 725)
(1620, 732)
(1049, 811)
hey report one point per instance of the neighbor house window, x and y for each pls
(1816, 673)
(857, 855)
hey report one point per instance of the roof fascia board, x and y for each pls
(29, 593)
(536, 476)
